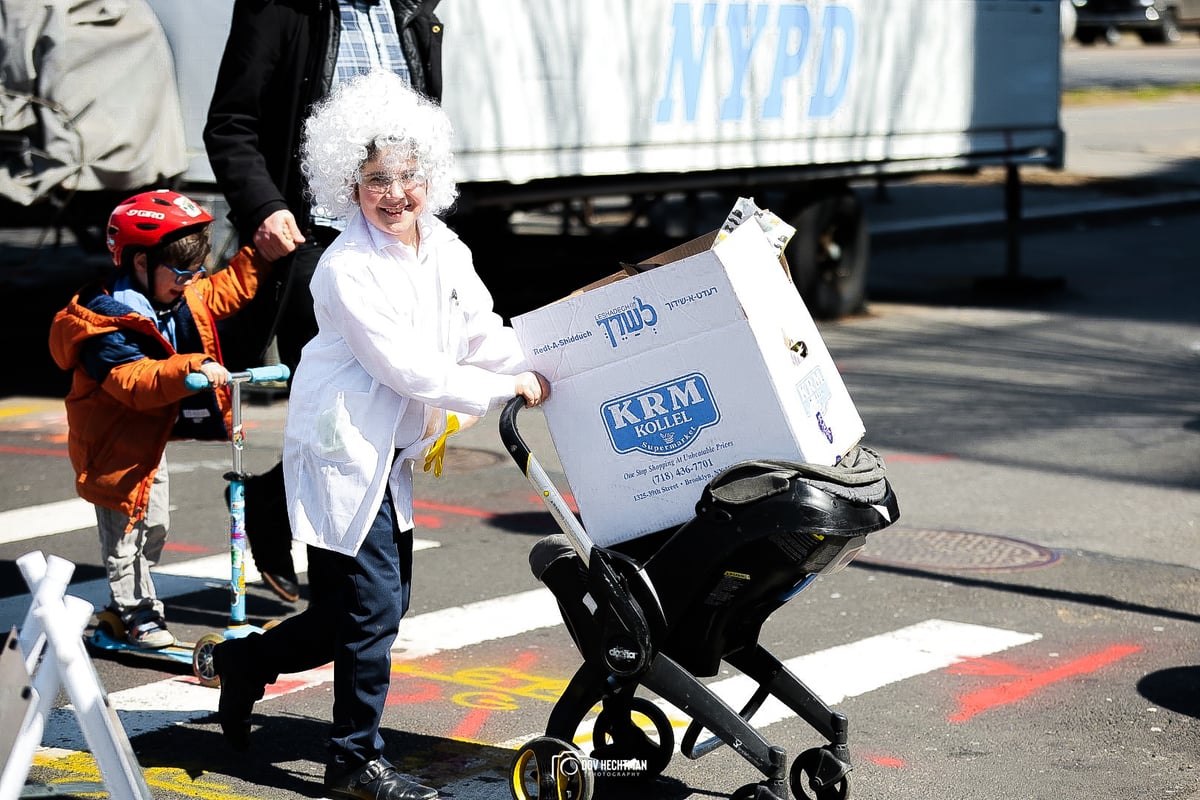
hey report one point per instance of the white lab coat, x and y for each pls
(401, 337)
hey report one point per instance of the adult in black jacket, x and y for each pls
(279, 60)
(282, 57)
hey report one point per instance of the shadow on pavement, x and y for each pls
(288, 756)
(1176, 689)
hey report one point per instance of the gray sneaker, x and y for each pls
(148, 630)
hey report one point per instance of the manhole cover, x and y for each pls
(465, 459)
(923, 548)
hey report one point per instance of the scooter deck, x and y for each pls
(180, 651)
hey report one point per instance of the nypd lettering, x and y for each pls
(805, 62)
(628, 320)
(661, 419)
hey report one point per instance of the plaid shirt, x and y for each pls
(368, 40)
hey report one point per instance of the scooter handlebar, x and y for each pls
(275, 372)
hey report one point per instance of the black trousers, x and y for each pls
(352, 619)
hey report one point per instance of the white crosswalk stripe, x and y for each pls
(31, 522)
(175, 579)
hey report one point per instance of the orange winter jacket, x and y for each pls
(120, 420)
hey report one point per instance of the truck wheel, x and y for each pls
(829, 253)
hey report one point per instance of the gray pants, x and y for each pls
(128, 557)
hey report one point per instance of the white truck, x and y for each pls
(558, 103)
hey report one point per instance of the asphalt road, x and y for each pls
(1130, 64)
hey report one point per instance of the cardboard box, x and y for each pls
(662, 379)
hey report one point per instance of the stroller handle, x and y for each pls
(276, 372)
(555, 503)
(509, 434)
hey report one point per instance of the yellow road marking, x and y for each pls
(82, 767)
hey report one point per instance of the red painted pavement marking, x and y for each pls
(886, 761)
(914, 458)
(471, 724)
(303, 680)
(423, 692)
(479, 512)
(32, 451)
(570, 498)
(470, 512)
(1027, 682)
(180, 547)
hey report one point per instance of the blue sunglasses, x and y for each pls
(185, 276)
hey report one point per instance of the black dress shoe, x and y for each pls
(287, 587)
(377, 780)
(241, 688)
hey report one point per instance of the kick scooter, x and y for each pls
(109, 633)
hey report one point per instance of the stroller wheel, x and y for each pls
(825, 772)
(619, 734)
(202, 660)
(546, 768)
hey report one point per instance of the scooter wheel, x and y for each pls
(546, 768)
(203, 666)
(110, 622)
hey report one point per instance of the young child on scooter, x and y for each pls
(131, 338)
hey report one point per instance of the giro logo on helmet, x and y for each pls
(141, 212)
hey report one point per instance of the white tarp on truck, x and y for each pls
(88, 99)
(546, 88)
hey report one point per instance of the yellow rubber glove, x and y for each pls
(435, 454)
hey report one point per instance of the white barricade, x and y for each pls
(49, 654)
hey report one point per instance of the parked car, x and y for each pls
(1154, 21)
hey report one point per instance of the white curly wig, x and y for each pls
(373, 114)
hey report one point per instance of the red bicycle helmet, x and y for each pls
(145, 219)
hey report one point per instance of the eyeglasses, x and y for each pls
(185, 276)
(382, 182)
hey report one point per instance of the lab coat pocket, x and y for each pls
(341, 427)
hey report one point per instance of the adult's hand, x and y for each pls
(278, 235)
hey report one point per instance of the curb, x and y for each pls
(1036, 218)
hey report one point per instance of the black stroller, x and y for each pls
(664, 610)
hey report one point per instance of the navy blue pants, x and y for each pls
(353, 614)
